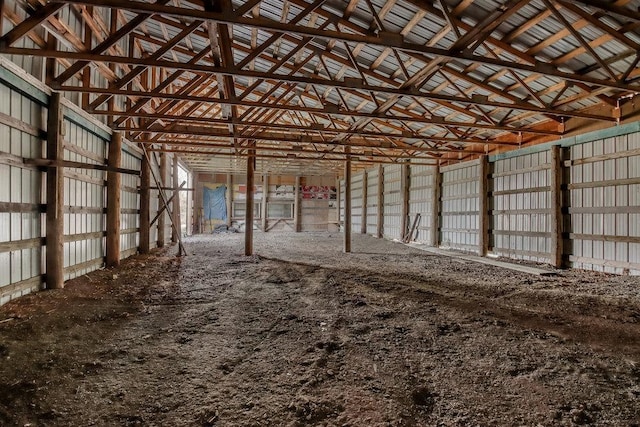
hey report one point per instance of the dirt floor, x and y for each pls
(302, 334)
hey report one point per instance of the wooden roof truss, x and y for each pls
(306, 80)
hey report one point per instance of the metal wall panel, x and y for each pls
(356, 202)
(521, 212)
(392, 201)
(459, 206)
(84, 219)
(21, 228)
(605, 205)
(129, 206)
(372, 201)
(420, 200)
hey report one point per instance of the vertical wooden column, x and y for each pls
(404, 193)
(297, 218)
(197, 202)
(380, 212)
(265, 199)
(175, 206)
(114, 181)
(163, 217)
(338, 199)
(145, 208)
(248, 218)
(347, 201)
(229, 198)
(435, 207)
(556, 206)
(483, 205)
(365, 184)
(55, 197)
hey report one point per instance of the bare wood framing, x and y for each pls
(145, 205)
(248, 222)
(114, 182)
(347, 203)
(483, 206)
(556, 206)
(55, 196)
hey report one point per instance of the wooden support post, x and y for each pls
(363, 225)
(248, 222)
(175, 206)
(404, 193)
(55, 197)
(380, 212)
(162, 220)
(145, 206)
(265, 200)
(483, 206)
(114, 180)
(338, 198)
(297, 218)
(435, 207)
(229, 198)
(347, 201)
(556, 206)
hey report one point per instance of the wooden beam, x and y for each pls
(145, 206)
(378, 40)
(365, 190)
(405, 177)
(20, 30)
(380, 207)
(47, 163)
(347, 202)
(338, 199)
(248, 125)
(326, 111)
(483, 206)
(163, 207)
(106, 43)
(284, 78)
(248, 215)
(162, 219)
(297, 217)
(436, 181)
(175, 207)
(55, 196)
(114, 180)
(265, 200)
(556, 174)
(320, 157)
(229, 198)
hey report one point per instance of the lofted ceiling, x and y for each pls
(307, 83)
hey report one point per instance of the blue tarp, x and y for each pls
(215, 205)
